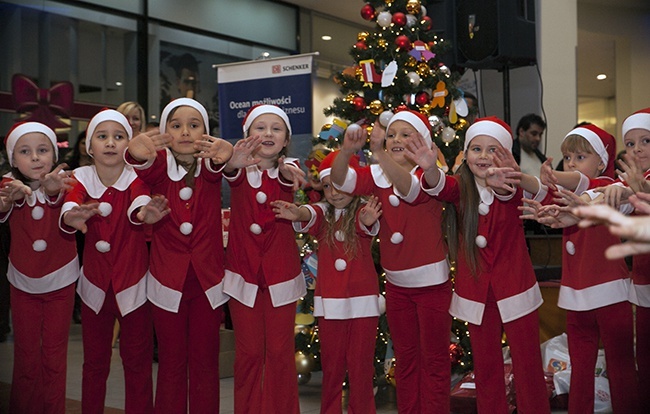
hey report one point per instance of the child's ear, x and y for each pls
(602, 167)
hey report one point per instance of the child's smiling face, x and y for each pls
(33, 155)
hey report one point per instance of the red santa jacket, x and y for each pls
(115, 250)
(413, 251)
(262, 250)
(190, 235)
(505, 265)
(346, 288)
(42, 258)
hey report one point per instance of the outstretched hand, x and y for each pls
(15, 190)
(421, 154)
(504, 159)
(370, 212)
(546, 174)
(377, 137)
(57, 180)
(154, 210)
(77, 216)
(285, 210)
(292, 173)
(144, 146)
(502, 178)
(242, 153)
(217, 149)
(354, 139)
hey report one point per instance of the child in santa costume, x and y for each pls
(109, 203)
(263, 274)
(185, 285)
(346, 296)
(43, 267)
(414, 256)
(495, 285)
(594, 290)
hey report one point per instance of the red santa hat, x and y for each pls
(103, 116)
(325, 167)
(258, 110)
(183, 102)
(492, 127)
(603, 143)
(638, 120)
(416, 120)
(22, 128)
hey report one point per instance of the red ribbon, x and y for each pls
(44, 105)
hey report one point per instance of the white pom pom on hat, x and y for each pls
(638, 120)
(183, 102)
(103, 116)
(258, 110)
(22, 128)
(492, 127)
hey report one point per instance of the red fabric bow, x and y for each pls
(44, 105)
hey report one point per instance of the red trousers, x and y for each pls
(347, 346)
(420, 324)
(41, 324)
(643, 353)
(188, 351)
(613, 325)
(523, 338)
(265, 368)
(136, 351)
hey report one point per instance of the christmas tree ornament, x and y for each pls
(361, 45)
(358, 72)
(461, 125)
(439, 95)
(385, 117)
(453, 117)
(444, 70)
(368, 12)
(389, 74)
(415, 79)
(461, 106)
(423, 69)
(369, 72)
(359, 103)
(423, 10)
(426, 23)
(421, 51)
(304, 378)
(384, 19)
(376, 107)
(422, 98)
(448, 134)
(399, 19)
(426, 109)
(411, 20)
(350, 97)
(411, 62)
(350, 71)
(435, 121)
(413, 6)
(353, 127)
(362, 36)
(382, 43)
(403, 42)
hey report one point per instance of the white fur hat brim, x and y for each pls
(103, 116)
(183, 102)
(265, 109)
(26, 128)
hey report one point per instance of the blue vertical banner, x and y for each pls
(285, 82)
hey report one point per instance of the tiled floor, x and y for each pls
(309, 393)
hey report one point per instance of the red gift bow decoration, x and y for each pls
(44, 105)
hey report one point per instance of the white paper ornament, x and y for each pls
(381, 302)
(481, 241)
(388, 74)
(105, 209)
(255, 228)
(186, 228)
(570, 248)
(260, 197)
(483, 209)
(39, 245)
(396, 238)
(185, 193)
(384, 118)
(384, 19)
(461, 107)
(448, 134)
(103, 246)
(393, 200)
(38, 213)
(340, 265)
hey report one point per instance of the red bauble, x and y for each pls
(422, 98)
(427, 23)
(359, 103)
(403, 42)
(361, 45)
(399, 19)
(368, 12)
(401, 108)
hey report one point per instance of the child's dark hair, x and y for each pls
(190, 167)
(348, 227)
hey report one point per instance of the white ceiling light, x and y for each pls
(602, 76)
(326, 37)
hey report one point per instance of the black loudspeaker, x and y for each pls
(495, 34)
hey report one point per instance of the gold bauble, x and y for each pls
(411, 62)
(362, 36)
(304, 363)
(413, 6)
(461, 125)
(359, 73)
(350, 97)
(382, 43)
(376, 107)
(426, 109)
(423, 69)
